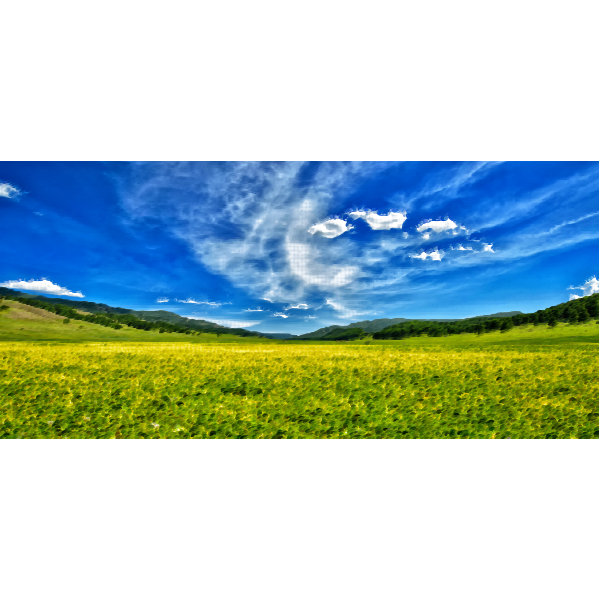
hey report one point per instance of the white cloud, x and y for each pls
(283, 315)
(9, 191)
(331, 228)
(487, 248)
(344, 313)
(233, 322)
(42, 285)
(441, 226)
(162, 299)
(589, 287)
(435, 255)
(302, 306)
(393, 220)
(460, 247)
(574, 297)
(192, 301)
(309, 317)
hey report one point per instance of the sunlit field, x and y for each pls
(291, 390)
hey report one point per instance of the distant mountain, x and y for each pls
(175, 319)
(171, 317)
(379, 324)
(279, 336)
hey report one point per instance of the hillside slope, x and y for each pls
(147, 315)
(27, 323)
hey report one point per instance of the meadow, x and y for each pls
(453, 388)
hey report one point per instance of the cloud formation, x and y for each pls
(162, 300)
(264, 226)
(42, 285)
(589, 287)
(9, 191)
(234, 323)
(441, 226)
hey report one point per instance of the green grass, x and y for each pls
(60, 381)
(563, 333)
(51, 330)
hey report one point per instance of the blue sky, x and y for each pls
(291, 247)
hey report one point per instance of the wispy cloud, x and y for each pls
(192, 301)
(233, 322)
(162, 300)
(447, 184)
(504, 209)
(299, 306)
(280, 314)
(41, 285)
(572, 222)
(9, 191)
(265, 226)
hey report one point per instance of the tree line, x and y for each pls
(580, 310)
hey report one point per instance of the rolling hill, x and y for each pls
(329, 332)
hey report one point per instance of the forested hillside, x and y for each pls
(574, 311)
(147, 320)
(379, 324)
(119, 320)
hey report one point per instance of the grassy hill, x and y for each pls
(27, 323)
(200, 324)
(153, 316)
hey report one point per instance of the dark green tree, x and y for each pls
(584, 316)
(591, 304)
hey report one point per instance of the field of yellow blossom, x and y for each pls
(182, 390)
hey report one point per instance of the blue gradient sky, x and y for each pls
(291, 247)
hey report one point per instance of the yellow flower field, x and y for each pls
(292, 391)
